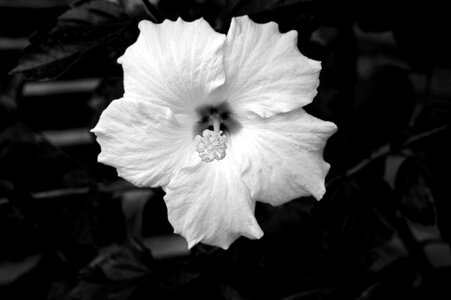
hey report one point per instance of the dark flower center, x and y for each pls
(221, 112)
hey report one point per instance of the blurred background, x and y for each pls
(71, 229)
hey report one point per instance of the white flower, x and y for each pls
(217, 122)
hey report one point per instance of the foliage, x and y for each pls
(87, 26)
(68, 231)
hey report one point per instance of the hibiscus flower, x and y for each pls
(217, 121)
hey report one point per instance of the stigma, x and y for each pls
(212, 144)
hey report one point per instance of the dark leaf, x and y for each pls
(32, 164)
(9, 89)
(109, 89)
(229, 293)
(387, 291)
(10, 271)
(392, 164)
(84, 27)
(377, 15)
(420, 29)
(141, 9)
(421, 33)
(18, 233)
(53, 199)
(155, 222)
(34, 283)
(436, 160)
(128, 271)
(386, 86)
(90, 291)
(436, 285)
(289, 14)
(114, 274)
(120, 263)
(417, 201)
(250, 7)
(133, 203)
(186, 9)
(315, 294)
(300, 15)
(355, 218)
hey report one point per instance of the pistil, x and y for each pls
(212, 144)
(216, 120)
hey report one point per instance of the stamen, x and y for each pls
(212, 144)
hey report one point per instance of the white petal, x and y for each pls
(266, 74)
(144, 142)
(209, 203)
(283, 156)
(178, 64)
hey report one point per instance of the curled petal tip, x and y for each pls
(255, 231)
(142, 22)
(192, 243)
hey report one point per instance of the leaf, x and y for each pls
(133, 203)
(110, 88)
(319, 293)
(33, 164)
(375, 16)
(128, 271)
(385, 86)
(84, 27)
(10, 271)
(167, 246)
(120, 263)
(392, 164)
(141, 9)
(436, 285)
(249, 7)
(18, 234)
(421, 34)
(300, 15)
(355, 218)
(9, 89)
(417, 201)
(54, 201)
(229, 293)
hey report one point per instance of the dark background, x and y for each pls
(71, 229)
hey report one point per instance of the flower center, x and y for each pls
(212, 144)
